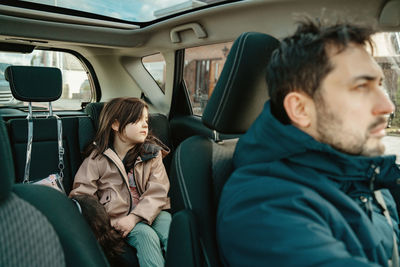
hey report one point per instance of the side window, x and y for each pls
(203, 66)
(387, 54)
(155, 65)
(76, 85)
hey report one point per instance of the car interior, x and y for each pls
(199, 65)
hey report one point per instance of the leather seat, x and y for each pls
(201, 165)
(39, 226)
(44, 84)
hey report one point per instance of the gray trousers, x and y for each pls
(150, 240)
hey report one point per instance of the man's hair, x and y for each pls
(302, 60)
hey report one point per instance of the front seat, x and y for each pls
(201, 165)
(39, 226)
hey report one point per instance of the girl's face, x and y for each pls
(136, 133)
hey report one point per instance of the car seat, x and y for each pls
(39, 226)
(201, 165)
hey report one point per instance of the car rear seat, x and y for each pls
(78, 131)
(201, 165)
(40, 226)
(40, 84)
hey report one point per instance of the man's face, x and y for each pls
(351, 105)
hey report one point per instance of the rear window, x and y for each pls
(76, 85)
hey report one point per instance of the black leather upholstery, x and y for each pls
(44, 84)
(6, 163)
(241, 90)
(39, 226)
(201, 165)
(77, 134)
(34, 84)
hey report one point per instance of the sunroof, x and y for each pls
(129, 10)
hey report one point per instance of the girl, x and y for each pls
(125, 172)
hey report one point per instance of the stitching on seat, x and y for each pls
(181, 181)
(203, 247)
(232, 75)
(12, 84)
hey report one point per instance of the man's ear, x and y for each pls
(299, 108)
(115, 125)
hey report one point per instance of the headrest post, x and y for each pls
(50, 109)
(30, 114)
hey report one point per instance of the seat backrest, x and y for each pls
(158, 125)
(40, 226)
(201, 165)
(41, 84)
(77, 133)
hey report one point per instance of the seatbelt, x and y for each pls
(394, 262)
(30, 141)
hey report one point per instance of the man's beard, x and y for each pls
(333, 132)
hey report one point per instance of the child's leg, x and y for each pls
(147, 244)
(161, 226)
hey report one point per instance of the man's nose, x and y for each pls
(383, 104)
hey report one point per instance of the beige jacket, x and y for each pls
(106, 177)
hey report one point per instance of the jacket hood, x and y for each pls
(151, 150)
(269, 141)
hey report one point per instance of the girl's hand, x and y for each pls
(126, 224)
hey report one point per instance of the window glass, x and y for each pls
(155, 65)
(203, 66)
(130, 10)
(387, 54)
(76, 86)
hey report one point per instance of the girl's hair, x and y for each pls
(125, 110)
(99, 221)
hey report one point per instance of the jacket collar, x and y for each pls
(290, 144)
(112, 155)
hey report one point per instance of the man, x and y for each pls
(310, 185)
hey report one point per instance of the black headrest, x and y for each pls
(7, 174)
(241, 90)
(34, 84)
(94, 110)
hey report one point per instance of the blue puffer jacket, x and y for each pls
(293, 201)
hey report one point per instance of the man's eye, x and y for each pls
(362, 86)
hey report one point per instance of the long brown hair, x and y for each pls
(99, 221)
(125, 110)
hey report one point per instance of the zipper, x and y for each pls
(367, 200)
(134, 176)
(123, 179)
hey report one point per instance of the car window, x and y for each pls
(76, 85)
(387, 54)
(155, 65)
(203, 66)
